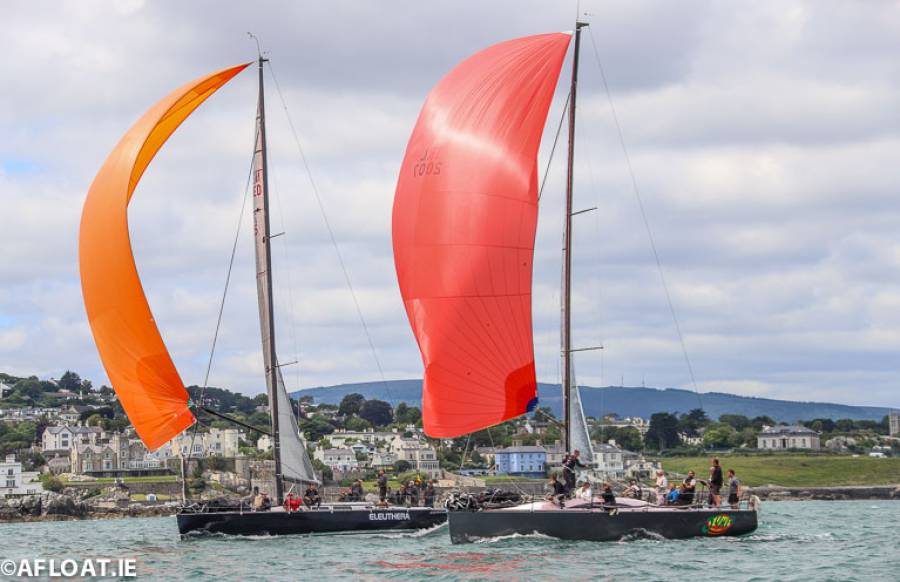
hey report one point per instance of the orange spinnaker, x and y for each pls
(465, 214)
(130, 346)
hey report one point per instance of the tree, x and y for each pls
(663, 432)
(720, 436)
(402, 466)
(760, 421)
(693, 421)
(377, 412)
(357, 424)
(351, 404)
(627, 437)
(736, 421)
(94, 420)
(51, 482)
(407, 414)
(316, 427)
(69, 381)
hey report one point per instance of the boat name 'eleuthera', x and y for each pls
(388, 516)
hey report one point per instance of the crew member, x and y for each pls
(715, 483)
(557, 492)
(569, 464)
(429, 494)
(382, 486)
(688, 489)
(311, 496)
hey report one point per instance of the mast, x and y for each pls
(262, 237)
(567, 255)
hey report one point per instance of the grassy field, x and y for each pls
(797, 470)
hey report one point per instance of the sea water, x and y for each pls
(805, 541)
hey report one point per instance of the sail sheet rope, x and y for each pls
(331, 234)
(646, 221)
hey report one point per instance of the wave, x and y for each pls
(515, 536)
(642, 534)
(419, 533)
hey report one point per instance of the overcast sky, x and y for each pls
(765, 138)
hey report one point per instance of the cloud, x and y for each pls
(764, 142)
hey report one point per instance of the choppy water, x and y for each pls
(808, 541)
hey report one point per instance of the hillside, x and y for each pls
(625, 401)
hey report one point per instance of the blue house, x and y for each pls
(525, 461)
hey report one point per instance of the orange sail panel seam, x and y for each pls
(132, 351)
(464, 222)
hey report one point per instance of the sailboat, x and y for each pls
(464, 223)
(138, 363)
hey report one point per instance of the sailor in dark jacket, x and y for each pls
(569, 465)
(429, 494)
(382, 485)
(557, 492)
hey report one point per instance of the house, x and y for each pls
(339, 460)
(264, 443)
(66, 437)
(787, 437)
(609, 461)
(88, 458)
(117, 453)
(217, 442)
(5, 389)
(59, 465)
(555, 454)
(526, 461)
(535, 426)
(488, 454)
(15, 481)
(641, 468)
(382, 460)
(691, 440)
(341, 437)
(894, 423)
(418, 453)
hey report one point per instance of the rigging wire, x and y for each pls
(562, 119)
(646, 221)
(212, 350)
(331, 235)
(292, 328)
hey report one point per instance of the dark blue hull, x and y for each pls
(600, 526)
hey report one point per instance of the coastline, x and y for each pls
(61, 507)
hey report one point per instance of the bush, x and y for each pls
(52, 483)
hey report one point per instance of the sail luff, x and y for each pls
(566, 339)
(261, 236)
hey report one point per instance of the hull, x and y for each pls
(321, 521)
(600, 526)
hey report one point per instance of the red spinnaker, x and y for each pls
(465, 215)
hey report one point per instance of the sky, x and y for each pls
(764, 138)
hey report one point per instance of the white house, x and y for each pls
(418, 453)
(342, 460)
(787, 437)
(215, 443)
(609, 461)
(66, 437)
(15, 481)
